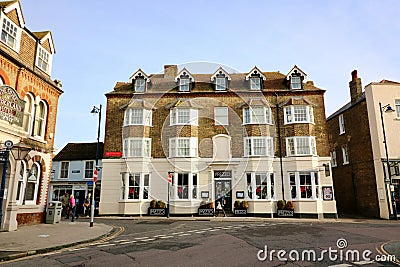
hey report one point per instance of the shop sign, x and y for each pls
(285, 213)
(222, 174)
(11, 105)
(113, 154)
(327, 193)
(157, 212)
(205, 212)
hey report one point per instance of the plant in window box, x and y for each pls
(206, 209)
(241, 207)
(236, 205)
(157, 208)
(289, 205)
(285, 209)
(281, 204)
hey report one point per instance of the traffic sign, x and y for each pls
(95, 176)
(170, 177)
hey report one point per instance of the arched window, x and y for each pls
(40, 119)
(21, 182)
(1, 81)
(32, 184)
(28, 113)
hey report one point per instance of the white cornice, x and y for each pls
(255, 71)
(220, 70)
(137, 73)
(184, 71)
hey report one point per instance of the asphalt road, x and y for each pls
(205, 243)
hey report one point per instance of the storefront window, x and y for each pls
(306, 183)
(260, 185)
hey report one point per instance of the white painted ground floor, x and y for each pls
(128, 185)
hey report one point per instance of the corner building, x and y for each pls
(28, 111)
(256, 136)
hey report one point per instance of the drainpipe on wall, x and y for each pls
(280, 144)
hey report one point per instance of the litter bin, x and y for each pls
(54, 209)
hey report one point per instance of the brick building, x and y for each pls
(28, 111)
(217, 136)
(358, 152)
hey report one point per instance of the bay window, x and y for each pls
(304, 185)
(260, 185)
(258, 146)
(300, 146)
(298, 114)
(137, 147)
(135, 116)
(257, 115)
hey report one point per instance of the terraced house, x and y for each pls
(256, 136)
(28, 111)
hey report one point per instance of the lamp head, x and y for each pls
(95, 110)
(389, 109)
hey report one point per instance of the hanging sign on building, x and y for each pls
(11, 105)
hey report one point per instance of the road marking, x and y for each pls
(76, 249)
(159, 235)
(128, 242)
(145, 240)
(363, 262)
(340, 265)
(122, 240)
(178, 233)
(168, 236)
(199, 232)
(184, 234)
(191, 231)
(105, 245)
(139, 238)
(206, 229)
(213, 230)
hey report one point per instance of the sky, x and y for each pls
(99, 43)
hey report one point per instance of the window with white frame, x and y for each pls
(10, 33)
(184, 85)
(304, 185)
(298, 114)
(257, 115)
(43, 59)
(89, 168)
(397, 104)
(220, 84)
(32, 184)
(341, 124)
(184, 186)
(135, 186)
(333, 159)
(345, 155)
(22, 175)
(295, 82)
(140, 85)
(255, 83)
(300, 146)
(64, 170)
(184, 116)
(137, 147)
(183, 147)
(258, 146)
(40, 120)
(221, 116)
(28, 113)
(260, 185)
(136, 116)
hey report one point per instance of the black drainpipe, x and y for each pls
(280, 144)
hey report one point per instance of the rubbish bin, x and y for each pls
(54, 209)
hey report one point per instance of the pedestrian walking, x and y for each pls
(65, 205)
(87, 205)
(72, 205)
(220, 207)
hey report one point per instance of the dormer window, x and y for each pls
(140, 85)
(184, 85)
(43, 59)
(220, 84)
(295, 83)
(9, 33)
(255, 83)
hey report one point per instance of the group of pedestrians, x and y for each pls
(69, 206)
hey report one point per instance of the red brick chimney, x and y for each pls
(170, 71)
(355, 87)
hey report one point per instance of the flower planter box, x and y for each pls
(205, 212)
(240, 211)
(285, 213)
(157, 212)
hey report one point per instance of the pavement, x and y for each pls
(43, 238)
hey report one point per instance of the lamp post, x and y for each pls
(95, 110)
(4, 158)
(388, 180)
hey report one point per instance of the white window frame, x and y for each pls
(221, 115)
(182, 191)
(301, 190)
(140, 85)
(184, 84)
(89, 169)
(255, 190)
(28, 112)
(294, 148)
(43, 60)
(251, 146)
(183, 147)
(128, 188)
(16, 38)
(138, 116)
(333, 158)
(136, 147)
(342, 128)
(40, 120)
(220, 84)
(292, 114)
(63, 170)
(397, 106)
(250, 116)
(178, 116)
(22, 177)
(295, 83)
(32, 178)
(255, 83)
(345, 154)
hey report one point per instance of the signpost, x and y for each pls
(9, 144)
(170, 174)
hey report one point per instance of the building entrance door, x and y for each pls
(223, 189)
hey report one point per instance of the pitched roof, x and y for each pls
(346, 107)
(7, 3)
(80, 151)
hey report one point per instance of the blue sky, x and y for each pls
(101, 42)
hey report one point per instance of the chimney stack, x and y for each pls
(355, 87)
(170, 71)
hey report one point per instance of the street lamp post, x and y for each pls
(388, 180)
(95, 110)
(5, 155)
